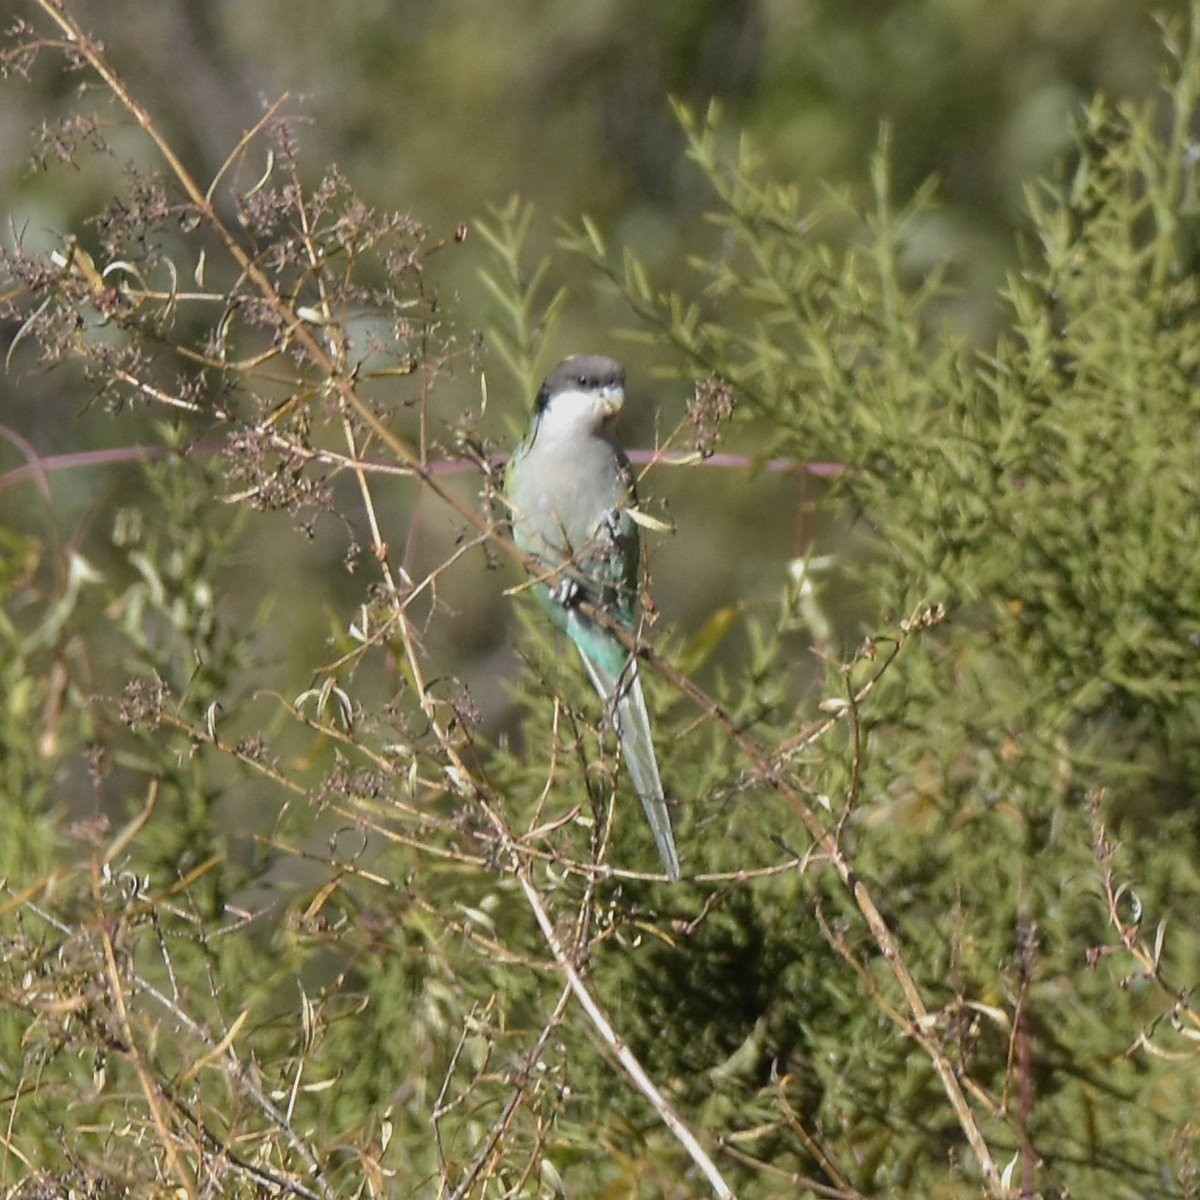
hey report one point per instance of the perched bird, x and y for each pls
(571, 493)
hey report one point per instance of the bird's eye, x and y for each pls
(582, 380)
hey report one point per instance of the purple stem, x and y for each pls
(39, 467)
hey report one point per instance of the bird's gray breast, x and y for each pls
(564, 497)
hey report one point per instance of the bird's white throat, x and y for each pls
(577, 413)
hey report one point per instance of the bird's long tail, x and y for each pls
(637, 744)
(633, 724)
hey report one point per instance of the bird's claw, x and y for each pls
(610, 524)
(565, 592)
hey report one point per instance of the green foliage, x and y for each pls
(1044, 493)
(524, 321)
(372, 941)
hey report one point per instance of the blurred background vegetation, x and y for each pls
(444, 110)
(265, 726)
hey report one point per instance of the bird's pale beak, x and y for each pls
(611, 400)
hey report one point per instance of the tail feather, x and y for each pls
(633, 724)
(637, 743)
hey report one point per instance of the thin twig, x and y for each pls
(629, 1062)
